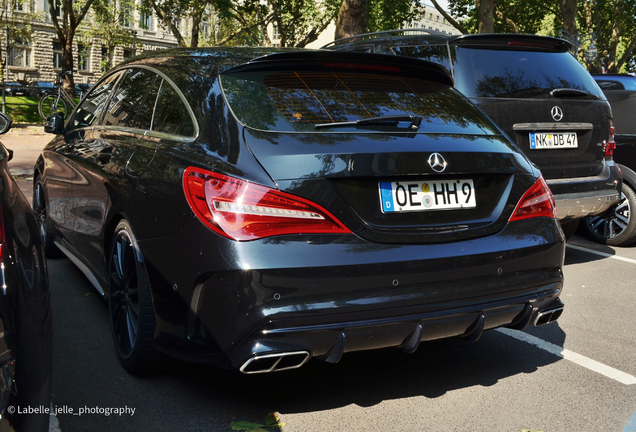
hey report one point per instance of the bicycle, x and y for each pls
(57, 102)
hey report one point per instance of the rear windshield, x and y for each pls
(433, 53)
(519, 74)
(297, 101)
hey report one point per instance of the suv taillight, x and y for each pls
(241, 210)
(610, 146)
(538, 201)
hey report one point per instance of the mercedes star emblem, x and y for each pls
(557, 113)
(437, 162)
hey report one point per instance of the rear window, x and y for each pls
(297, 101)
(433, 53)
(519, 74)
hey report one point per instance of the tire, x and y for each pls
(569, 228)
(40, 207)
(130, 304)
(617, 227)
(50, 104)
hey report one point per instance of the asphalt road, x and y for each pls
(578, 374)
(499, 383)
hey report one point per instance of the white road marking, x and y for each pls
(603, 254)
(580, 360)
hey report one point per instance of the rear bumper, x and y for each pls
(587, 196)
(322, 296)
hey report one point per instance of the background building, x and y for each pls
(40, 58)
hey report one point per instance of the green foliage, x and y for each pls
(392, 14)
(272, 421)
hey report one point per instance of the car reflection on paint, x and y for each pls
(256, 208)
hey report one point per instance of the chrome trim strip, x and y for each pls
(552, 126)
(87, 272)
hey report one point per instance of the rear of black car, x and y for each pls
(539, 95)
(395, 212)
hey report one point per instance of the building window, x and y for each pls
(205, 27)
(20, 54)
(146, 21)
(57, 55)
(128, 53)
(275, 32)
(58, 9)
(126, 15)
(84, 57)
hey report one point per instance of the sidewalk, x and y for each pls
(27, 143)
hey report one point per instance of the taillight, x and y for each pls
(610, 146)
(538, 201)
(240, 210)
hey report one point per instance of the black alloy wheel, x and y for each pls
(616, 227)
(42, 217)
(129, 303)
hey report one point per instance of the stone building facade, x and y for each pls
(39, 59)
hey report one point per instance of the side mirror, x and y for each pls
(5, 123)
(54, 124)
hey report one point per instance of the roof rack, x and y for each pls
(398, 32)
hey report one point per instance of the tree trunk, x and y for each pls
(353, 18)
(568, 15)
(67, 60)
(486, 14)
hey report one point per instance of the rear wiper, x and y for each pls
(567, 92)
(389, 120)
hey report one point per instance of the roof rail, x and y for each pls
(398, 32)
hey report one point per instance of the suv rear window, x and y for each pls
(519, 74)
(298, 100)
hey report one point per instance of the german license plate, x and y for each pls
(427, 195)
(549, 141)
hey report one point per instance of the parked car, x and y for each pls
(25, 309)
(617, 227)
(538, 94)
(12, 88)
(255, 208)
(41, 88)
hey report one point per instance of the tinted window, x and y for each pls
(434, 53)
(284, 100)
(519, 74)
(171, 114)
(129, 97)
(610, 85)
(93, 105)
(144, 117)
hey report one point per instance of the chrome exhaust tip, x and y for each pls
(547, 316)
(275, 362)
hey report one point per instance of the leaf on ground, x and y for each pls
(245, 426)
(272, 418)
(89, 294)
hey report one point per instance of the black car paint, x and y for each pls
(25, 313)
(221, 301)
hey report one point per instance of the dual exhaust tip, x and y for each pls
(275, 362)
(549, 315)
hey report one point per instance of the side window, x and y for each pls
(171, 114)
(144, 117)
(129, 98)
(93, 105)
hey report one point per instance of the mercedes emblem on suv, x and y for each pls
(557, 113)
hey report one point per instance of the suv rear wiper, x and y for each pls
(389, 120)
(568, 92)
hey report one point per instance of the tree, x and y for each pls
(353, 18)
(108, 21)
(73, 13)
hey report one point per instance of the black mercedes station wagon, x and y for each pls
(256, 208)
(538, 94)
